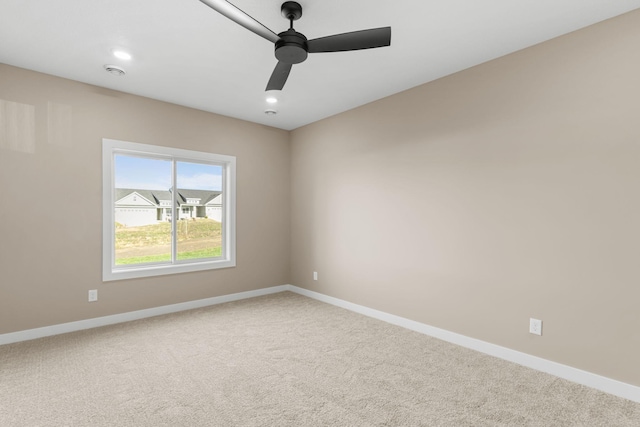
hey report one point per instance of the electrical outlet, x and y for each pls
(535, 326)
(315, 275)
(93, 295)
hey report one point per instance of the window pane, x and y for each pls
(199, 197)
(142, 205)
(138, 178)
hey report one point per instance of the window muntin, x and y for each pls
(138, 235)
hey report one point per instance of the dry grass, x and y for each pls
(201, 238)
(160, 234)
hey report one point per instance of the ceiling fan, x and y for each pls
(292, 47)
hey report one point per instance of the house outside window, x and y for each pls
(145, 192)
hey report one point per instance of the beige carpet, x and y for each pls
(281, 360)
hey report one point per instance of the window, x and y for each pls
(155, 202)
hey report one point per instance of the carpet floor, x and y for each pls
(281, 360)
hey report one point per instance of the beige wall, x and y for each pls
(507, 191)
(51, 199)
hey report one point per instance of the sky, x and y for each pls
(154, 174)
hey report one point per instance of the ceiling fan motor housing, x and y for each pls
(292, 47)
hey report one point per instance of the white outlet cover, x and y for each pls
(535, 326)
(93, 295)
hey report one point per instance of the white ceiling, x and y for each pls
(186, 53)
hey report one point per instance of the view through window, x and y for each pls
(168, 207)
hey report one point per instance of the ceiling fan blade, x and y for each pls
(365, 39)
(279, 76)
(235, 14)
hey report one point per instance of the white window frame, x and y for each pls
(110, 271)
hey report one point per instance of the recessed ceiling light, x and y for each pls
(121, 54)
(272, 96)
(115, 70)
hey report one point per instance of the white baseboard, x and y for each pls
(63, 328)
(588, 379)
(585, 378)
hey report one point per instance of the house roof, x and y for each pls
(204, 195)
(154, 196)
(162, 194)
(121, 193)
